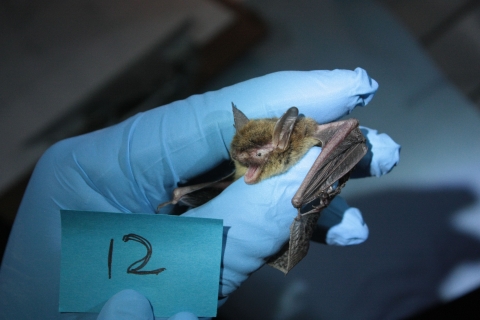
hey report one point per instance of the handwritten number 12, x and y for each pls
(136, 267)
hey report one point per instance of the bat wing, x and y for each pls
(198, 192)
(343, 145)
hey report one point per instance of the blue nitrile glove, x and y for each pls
(135, 165)
(132, 305)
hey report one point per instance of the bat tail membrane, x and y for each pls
(296, 248)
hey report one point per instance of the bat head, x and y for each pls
(261, 147)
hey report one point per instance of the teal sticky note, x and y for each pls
(173, 261)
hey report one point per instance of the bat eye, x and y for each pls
(259, 154)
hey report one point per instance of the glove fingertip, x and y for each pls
(382, 156)
(367, 86)
(385, 154)
(352, 230)
(127, 304)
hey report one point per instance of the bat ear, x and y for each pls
(284, 128)
(239, 119)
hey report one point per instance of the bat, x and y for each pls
(262, 148)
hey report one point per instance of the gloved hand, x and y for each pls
(135, 165)
(132, 305)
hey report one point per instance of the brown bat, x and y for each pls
(262, 148)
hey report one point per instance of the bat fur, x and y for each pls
(262, 148)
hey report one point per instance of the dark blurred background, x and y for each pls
(70, 67)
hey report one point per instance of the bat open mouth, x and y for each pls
(252, 174)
